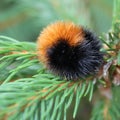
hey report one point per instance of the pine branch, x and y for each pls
(40, 96)
(29, 91)
(17, 56)
(41, 93)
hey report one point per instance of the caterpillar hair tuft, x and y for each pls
(69, 51)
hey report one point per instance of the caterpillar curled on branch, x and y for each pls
(69, 51)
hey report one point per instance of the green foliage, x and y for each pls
(24, 19)
(118, 58)
(30, 92)
(37, 96)
(40, 97)
(108, 109)
(15, 56)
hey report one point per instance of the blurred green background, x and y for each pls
(24, 19)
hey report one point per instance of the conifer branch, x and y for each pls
(42, 92)
(29, 91)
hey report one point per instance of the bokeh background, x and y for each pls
(24, 19)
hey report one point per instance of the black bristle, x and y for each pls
(73, 62)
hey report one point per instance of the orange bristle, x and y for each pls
(60, 30)
(69, 51)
